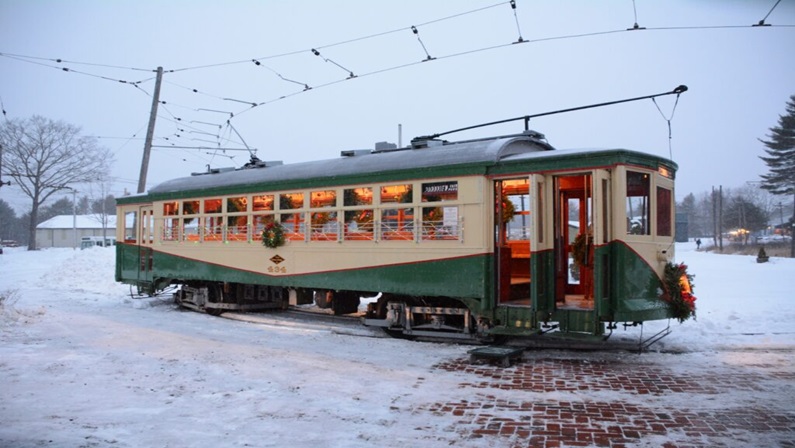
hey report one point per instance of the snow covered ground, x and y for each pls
(83, 364)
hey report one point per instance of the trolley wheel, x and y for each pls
(345, 302)
(324, 298)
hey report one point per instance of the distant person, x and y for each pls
(698, 243)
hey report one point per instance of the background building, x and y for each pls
(68, 230)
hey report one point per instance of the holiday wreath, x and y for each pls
(678, 291)
(273, 235)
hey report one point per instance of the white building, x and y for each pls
(68, 230)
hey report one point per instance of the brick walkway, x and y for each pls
(623, 401)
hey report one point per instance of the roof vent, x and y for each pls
(426, 142)
(214, 170)
(355, 152)
(384, 146)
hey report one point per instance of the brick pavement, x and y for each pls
(618, 402)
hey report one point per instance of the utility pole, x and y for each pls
(74, 219)
(720, 216)
(150, 132)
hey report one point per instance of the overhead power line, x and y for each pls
(181, 123)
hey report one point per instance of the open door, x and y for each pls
(573, 224)
(512, 241)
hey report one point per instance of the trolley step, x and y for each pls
(501, 353)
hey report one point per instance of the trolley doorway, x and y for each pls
(574, 285)
(512, 244)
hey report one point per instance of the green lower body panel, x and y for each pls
(464, 278)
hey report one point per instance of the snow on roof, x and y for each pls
(79, 221)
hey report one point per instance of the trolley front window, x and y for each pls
(638, 205)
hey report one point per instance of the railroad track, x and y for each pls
(307, 320)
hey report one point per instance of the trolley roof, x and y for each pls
(424, 158)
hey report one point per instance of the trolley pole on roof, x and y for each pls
(150, 132)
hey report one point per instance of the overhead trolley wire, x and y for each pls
(34, 60)
(316, 51)
(63, 61)
(344, 42)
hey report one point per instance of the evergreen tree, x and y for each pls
(62, 206)
(780, 159)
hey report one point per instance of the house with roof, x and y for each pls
(69, 230)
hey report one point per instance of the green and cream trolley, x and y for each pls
(472, 239)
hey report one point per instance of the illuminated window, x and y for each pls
(440, 223)
(258, 224)
(358, 196)
(358, 225)
(237, 228)
(288, 201)
(171, 208)
(190, 207)
(213, 228)
(171, 229)
(293, 224)
(236, 205)
(262, 203)
(323, 199)
(324, 226)
(397, 224)
(401, 194)
(212, 206)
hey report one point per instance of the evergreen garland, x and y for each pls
(678, 291)
(579, 250)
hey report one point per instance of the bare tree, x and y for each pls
(103, 204)
(45, 156)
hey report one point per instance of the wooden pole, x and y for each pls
(150, 132)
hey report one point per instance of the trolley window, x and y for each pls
(262, 203)
(638, 205)
(440, 223)
(236, 205)
(212, 206)
(358, 221)
(289, 201)
(401, 194)
(440, 191)
(130, 224)
(171, 208)
(258, 224)
(357, 196)
(323, 199)
(664, 208)
(190, 207)
(237, 228)
(293, 224)
(397, 224)
(324, 226)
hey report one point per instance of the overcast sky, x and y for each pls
(577, 53)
